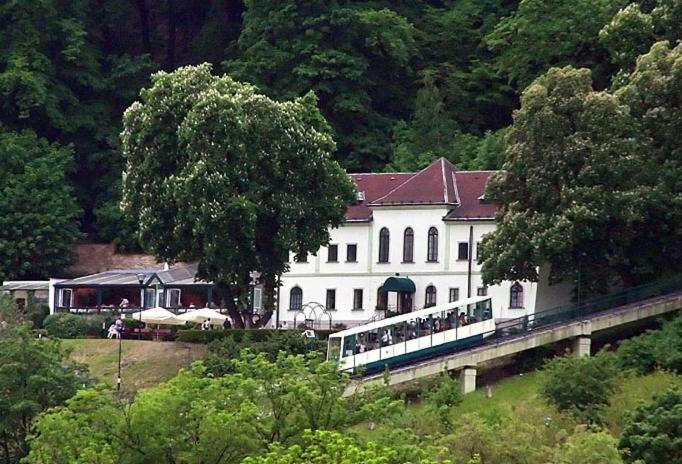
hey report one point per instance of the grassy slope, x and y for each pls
(143, 363)
(519, 397)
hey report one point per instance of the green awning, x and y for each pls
(399, 284)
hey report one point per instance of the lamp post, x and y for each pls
(143, 295)
(255, 275)
(118, 377)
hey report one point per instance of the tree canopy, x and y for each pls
(38, 211)
(35, 375)
(400, 83)
(653, 432)
(220, 174)
(574, 187)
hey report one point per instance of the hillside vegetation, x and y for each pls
(143, 363)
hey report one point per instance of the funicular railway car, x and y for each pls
(412, 337)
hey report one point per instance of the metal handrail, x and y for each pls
(546, 319)
(565, 313)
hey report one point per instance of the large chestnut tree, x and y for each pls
(219, 174)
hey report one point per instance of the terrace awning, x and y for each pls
(157, 315)
(399, 284)
(200, 315)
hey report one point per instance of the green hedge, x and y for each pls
(65, 325)
(238, 335)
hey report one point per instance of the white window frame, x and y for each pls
(326, 299)
(362, 299)
(329, 260)
(356, 252)
(61, 297)
(170, 297)
(459, 258)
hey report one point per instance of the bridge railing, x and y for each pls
(559, 314)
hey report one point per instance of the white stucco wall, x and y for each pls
(318, 275)
(551, 296)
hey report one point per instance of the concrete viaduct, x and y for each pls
(578, 330)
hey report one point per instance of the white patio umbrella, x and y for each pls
(157, 315)
(200, 315)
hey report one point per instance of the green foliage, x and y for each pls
(65, 325)
(658, 349)
(588, 447)
(357, 60)
(653, 91)
(472, 438)
(209, 154)
(35, 375)
(526, 44)
(197, 417)
(37, 315)
(79, 432)
(442, 397)
(568, 193)
(653, 432)
(223, 351)
(400, 83)
(327, 447)
(581, 385)
(629, 34)
(38, 212)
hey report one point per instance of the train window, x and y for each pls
(386, 336)
(411, 329)
(348, 346)
(334, 349)
(399, 331)
(361, 343)
(372, 340)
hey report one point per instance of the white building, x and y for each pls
(421, 228)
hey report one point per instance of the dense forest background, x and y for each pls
(401, 82)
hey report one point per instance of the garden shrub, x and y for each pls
(96, 325)
(442, 397)
(222, 351)
(581, 385)
(653, 432)
(65, 325)
(660, 349)
(37, 315)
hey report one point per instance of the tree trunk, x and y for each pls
(143, 11)
(232, 310)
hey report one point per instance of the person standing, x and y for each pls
(119, 327)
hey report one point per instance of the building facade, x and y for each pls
(409, 241)
(130, 290)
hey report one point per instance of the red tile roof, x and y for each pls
(439, 184)
(375, 185)
(434, 184)
(471, 187)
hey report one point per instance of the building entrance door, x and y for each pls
(404, 302)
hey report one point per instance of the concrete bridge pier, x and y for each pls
(467, 379)
(582, 346)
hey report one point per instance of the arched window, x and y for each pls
(430, 296)
(383, 245)
(382, 299)
(296, 298)
(516, 296)
(408, 245)
(432, 246)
